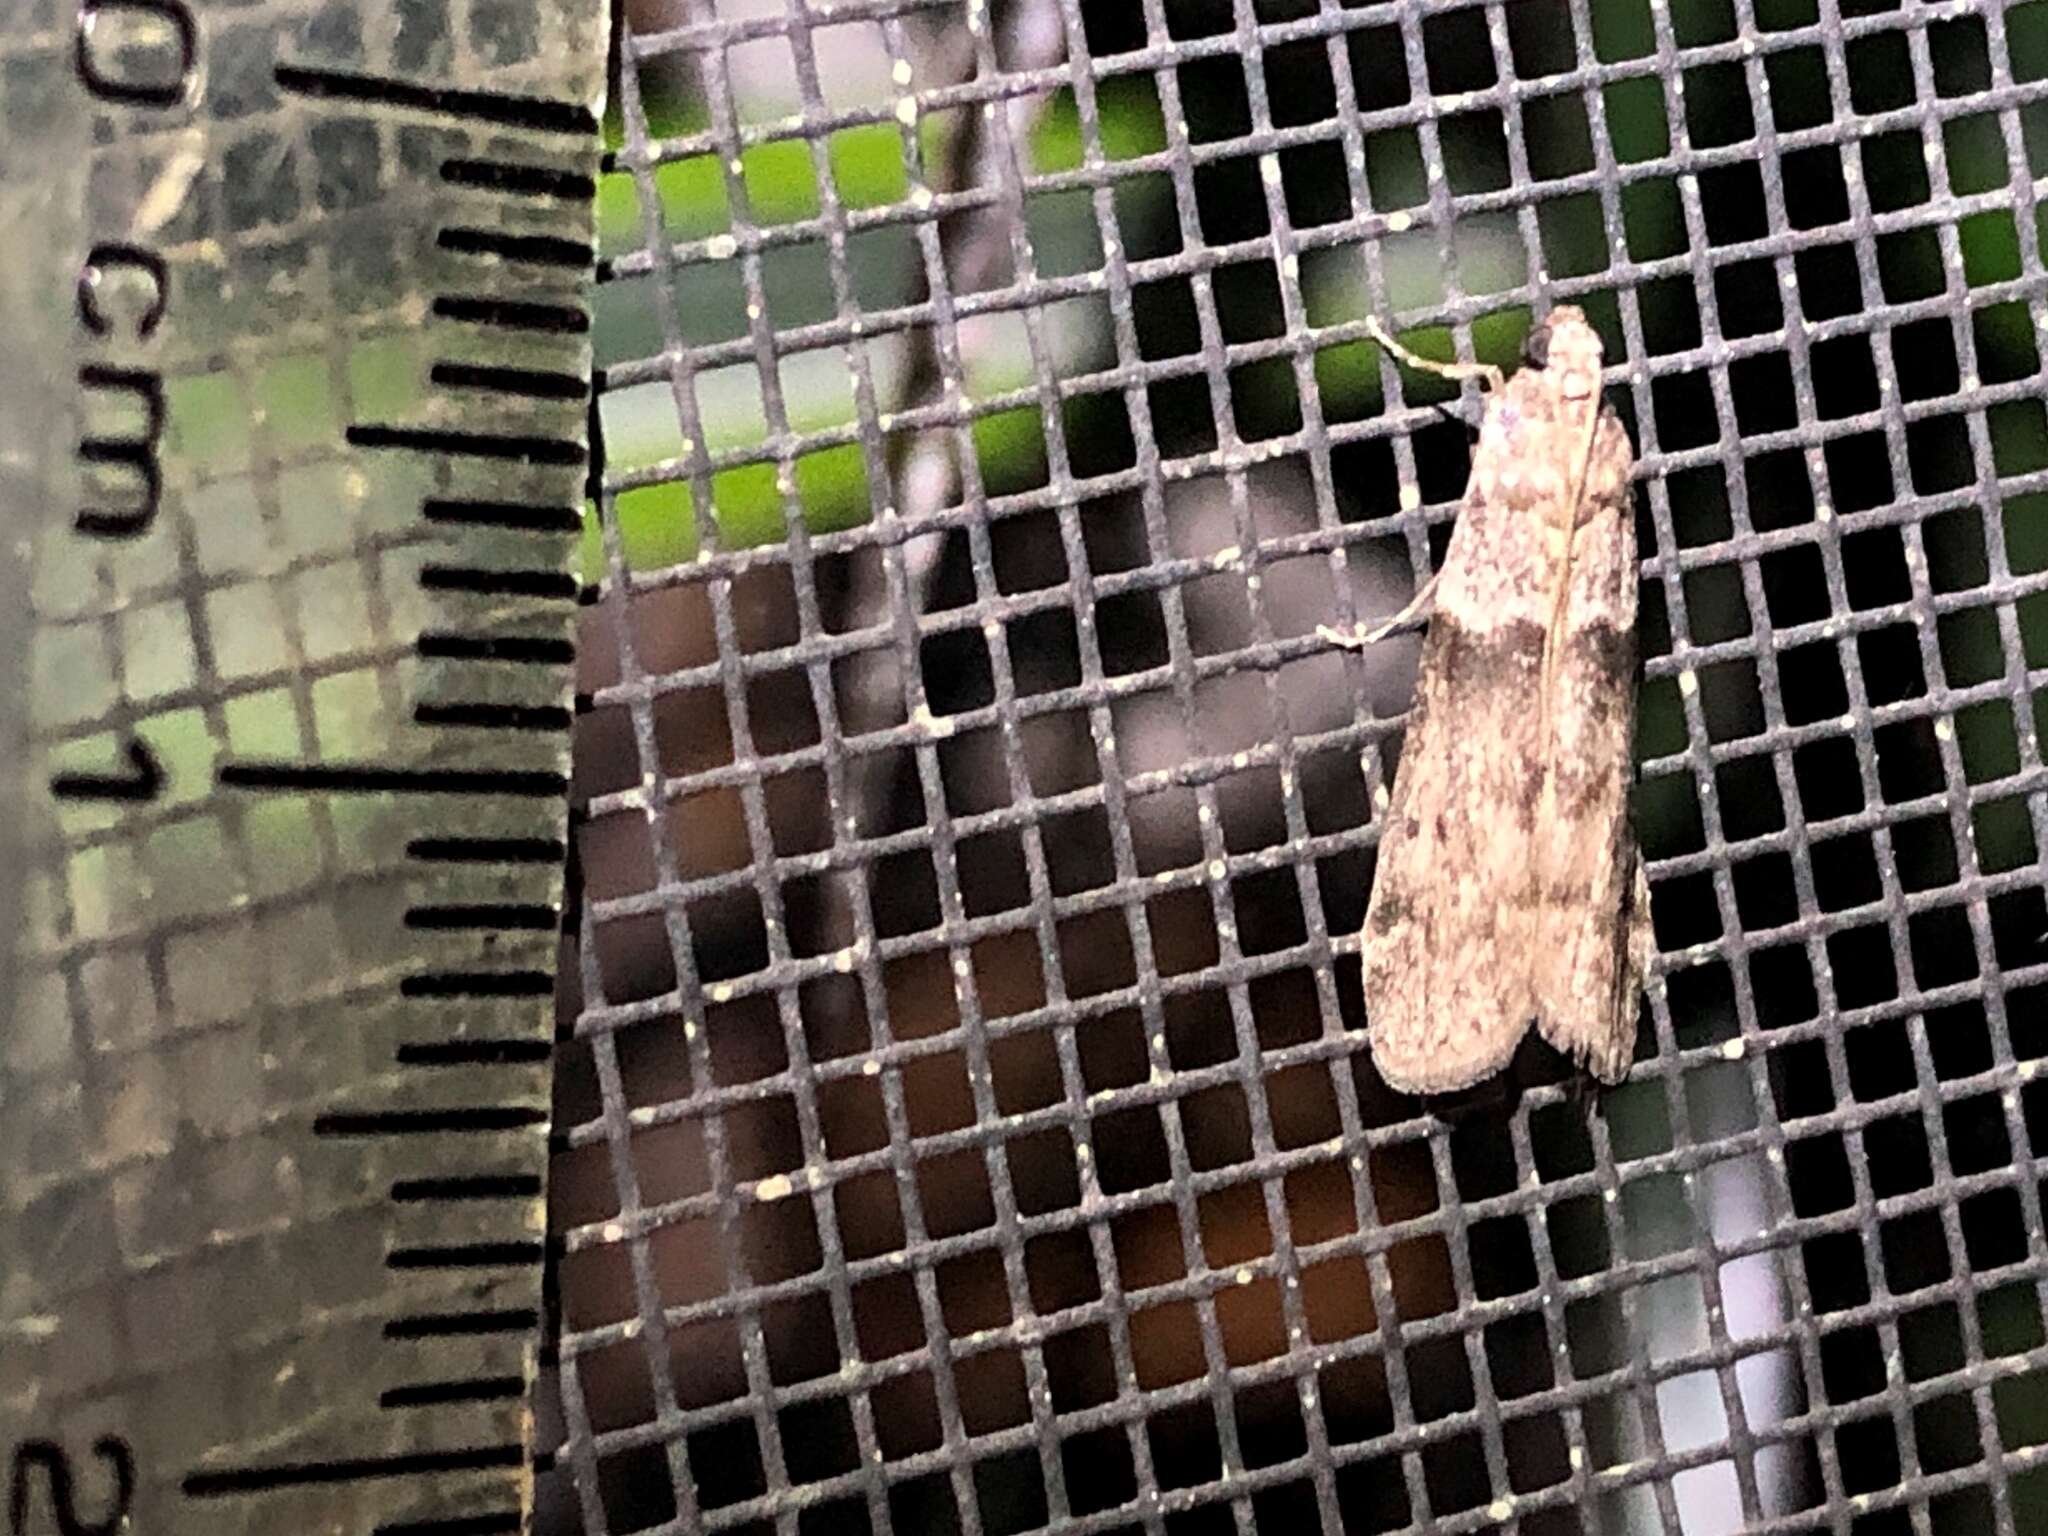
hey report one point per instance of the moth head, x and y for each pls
(1567, 347)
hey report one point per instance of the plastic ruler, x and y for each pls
(292, 465)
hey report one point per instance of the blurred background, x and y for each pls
(965, 1115)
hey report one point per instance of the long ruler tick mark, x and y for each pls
(509, 111)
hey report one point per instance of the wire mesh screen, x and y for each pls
(967, 1122)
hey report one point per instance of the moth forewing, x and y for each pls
(1588, 952)
(1506, 870)
(1449, 987)
(1453, 915)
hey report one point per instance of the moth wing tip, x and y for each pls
(1428, 1073)
(1607, 1051)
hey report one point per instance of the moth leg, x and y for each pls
(1486, 373)
(1413, 616)
(1449, 413)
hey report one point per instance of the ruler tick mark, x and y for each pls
(447, 1325)
(478, 984)
(495, 717)
(467, 1120)
(525, 383)
(487, 850)
(517, 180)
(372, 778)
(517, 315)
(527, 447)
(533, 650)
(470, 1186)
(502, 108)
(528, 517)
(427, 1394)
(535, 250)
(486, 916)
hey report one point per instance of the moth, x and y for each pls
(1509, 889)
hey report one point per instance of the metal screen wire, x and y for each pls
(965, 1120)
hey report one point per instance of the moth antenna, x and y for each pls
(1486, 373)
(1414, 615)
